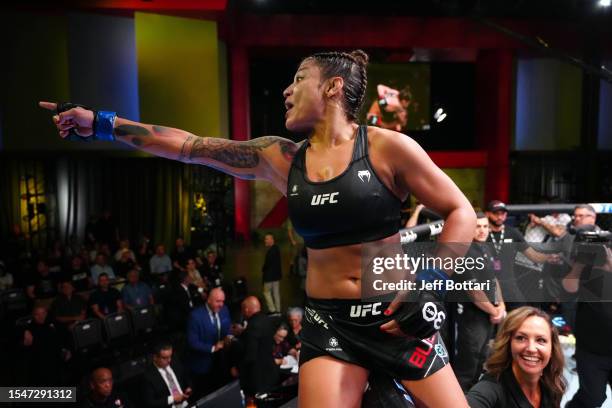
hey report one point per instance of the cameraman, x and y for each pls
(593, 317)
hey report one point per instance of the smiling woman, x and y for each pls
(525, 368)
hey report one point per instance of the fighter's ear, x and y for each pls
(334, 86)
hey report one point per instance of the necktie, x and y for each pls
(218, 323)
(173, 386)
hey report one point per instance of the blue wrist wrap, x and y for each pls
(103, 126)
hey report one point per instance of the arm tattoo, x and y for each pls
(131, 130)
(288, 149)
(243, 155)
(187, 144)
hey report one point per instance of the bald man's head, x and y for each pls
(250, 306)
(216, 299)
(102, 382)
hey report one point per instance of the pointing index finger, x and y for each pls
(48, 105)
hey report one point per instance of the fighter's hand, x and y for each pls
(79, 119)
(392, 327)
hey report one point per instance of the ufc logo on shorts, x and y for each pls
(363, 310)
(321, 199)
(431, 314)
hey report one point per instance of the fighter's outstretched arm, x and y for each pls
(262, 158)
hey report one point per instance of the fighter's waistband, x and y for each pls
(351, 309)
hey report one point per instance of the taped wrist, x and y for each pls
(103, 124)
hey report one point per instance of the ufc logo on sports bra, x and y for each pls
(321, 199)
(363, 310)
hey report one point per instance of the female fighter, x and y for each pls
(344, 185)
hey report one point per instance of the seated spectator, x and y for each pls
(105, 299)
(294, 317)
(281, 346)
(42, 284)
(6, 279)
(525, 367)
(125, 263)
(192, 269)
(101, 267)
(144, 253)
(44, 350)
(211, 269)
(101, 394)
(182, 253)
(67, 308)
(79, 275)
(165, 383)
(136, 293)
(124, 246)
(160, 263)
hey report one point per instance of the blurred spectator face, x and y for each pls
(280, 335)
(42, 268)
(216, 299)
(160, 250)
(531, 346)
(103, 282)
(211, 257)
(124, 244)
(102, 382)
(39, 314)
(66, 288)
(77, 262)
(269, 240)
(101, 259)
(582, 216)
(482, 230)
(294, 320)
(105, 249)
(191, 265)
(132, 276)
(497, 218)
(163, 359)
(125, 256)
(179, 242)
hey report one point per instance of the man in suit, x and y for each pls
(258, 372)
(272, 275)
(179, 301)
(165, 383)
(207, 329)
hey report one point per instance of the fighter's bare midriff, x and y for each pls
(335, 273)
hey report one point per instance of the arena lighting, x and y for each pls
(604, 3)
(440, 115)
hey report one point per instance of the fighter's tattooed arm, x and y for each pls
(267, 157)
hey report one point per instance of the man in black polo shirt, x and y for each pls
(593, 319)
(105, 300)
(476, 319)
(504, 255)
(67, 309)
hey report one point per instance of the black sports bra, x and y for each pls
(351, 208)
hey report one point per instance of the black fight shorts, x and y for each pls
(349, 330)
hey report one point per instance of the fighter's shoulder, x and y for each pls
(391, 143)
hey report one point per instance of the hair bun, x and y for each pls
(360, 56)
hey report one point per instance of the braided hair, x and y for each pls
(351, 67)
